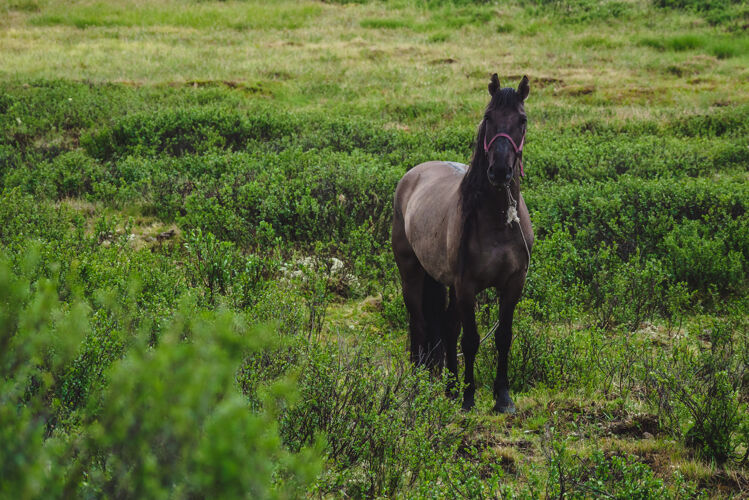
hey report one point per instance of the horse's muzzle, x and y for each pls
(500, 178)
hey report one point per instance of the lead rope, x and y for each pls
(512, 216)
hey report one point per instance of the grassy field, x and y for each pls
(197, 294)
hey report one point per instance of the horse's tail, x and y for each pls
(434, 305)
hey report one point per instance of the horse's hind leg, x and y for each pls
(412, 281)
(433, 308)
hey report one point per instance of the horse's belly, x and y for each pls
(429, 243)
(432, 240)
(430, 215)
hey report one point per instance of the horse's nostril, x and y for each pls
(508, 175)
(491, 175)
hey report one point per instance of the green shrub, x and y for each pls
(636, 215)
(626, 293)
(539, 356)
(56, 111)
(728, 12)
(167, 422)
(393, 308)
(607, 155)
(181, 428)
(303, 196)
(22, 218)
(701, 389)
(212, 263)
(703, 259)
(204, 129)
(602, 474)
(70, 174)
(553, 290)
(39, 336)
(387, 429)
(579, 11)
(613, 476)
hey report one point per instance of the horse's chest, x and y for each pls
(496, 259)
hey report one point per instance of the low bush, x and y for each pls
(646, 217)
(626, 293)
(168, 421)
(700, 395)
(69, 175)
(726, 12)
(602, 474)
(543, 357)
(386, 429)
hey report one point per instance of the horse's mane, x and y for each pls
(475, 182)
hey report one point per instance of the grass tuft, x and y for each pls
(720, 46)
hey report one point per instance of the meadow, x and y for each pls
(197, 293)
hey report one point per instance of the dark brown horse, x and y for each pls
(466, 230)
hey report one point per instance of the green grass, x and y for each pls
(721, 46)
(345, 66)
(385, 23)
(235, 15)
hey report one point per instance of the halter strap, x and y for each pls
(518, 149)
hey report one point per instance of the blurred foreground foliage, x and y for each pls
(170, 421)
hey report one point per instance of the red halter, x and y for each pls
(518, 149)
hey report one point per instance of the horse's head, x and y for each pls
(504, 131)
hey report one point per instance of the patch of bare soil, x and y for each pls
(659, 463)
(447, 60)
(637, 426)
(538, 81)
(575, 90)
(483, 438)
(590, 414)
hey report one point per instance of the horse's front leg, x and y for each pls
(503, 339)
(466, 300)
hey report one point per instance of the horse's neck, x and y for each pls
(498, 201)
(486, 201)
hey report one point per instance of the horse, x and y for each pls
(459, 230)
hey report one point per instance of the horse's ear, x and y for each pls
(524, 88)
(494, 84)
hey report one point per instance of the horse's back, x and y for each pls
(427, 178)
(426, 215)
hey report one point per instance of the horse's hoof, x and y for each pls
(507, 409)
(468, 404)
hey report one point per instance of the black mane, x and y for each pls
(504, 97)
